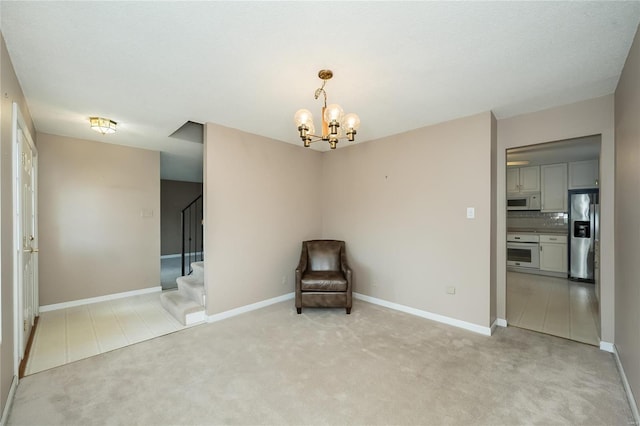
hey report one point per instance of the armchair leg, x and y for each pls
(299, 310)
(348, 311)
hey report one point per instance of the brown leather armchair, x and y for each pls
(323, 277)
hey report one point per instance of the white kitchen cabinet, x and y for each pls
(523, 179)
(553, 180)
(553, 253)
(583, 174)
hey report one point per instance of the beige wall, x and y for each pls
(261, 200)
(594, 116)
(174, 196)
(400, 204)
(10, 91)
(96, 237)
(627, 298)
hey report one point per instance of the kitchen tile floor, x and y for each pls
(556, 306)
(71, 334)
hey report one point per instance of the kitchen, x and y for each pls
(553, 238)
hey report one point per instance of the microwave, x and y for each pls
(523, 201)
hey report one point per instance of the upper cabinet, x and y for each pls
(583, 174)
(523, 179)
(554, 187)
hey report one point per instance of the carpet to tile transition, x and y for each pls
(375, 366)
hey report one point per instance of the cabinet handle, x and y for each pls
(552, 239)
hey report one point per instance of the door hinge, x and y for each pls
(25, 326)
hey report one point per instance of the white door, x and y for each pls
(26, 234)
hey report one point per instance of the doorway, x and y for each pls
(25, 236)
(546, 294)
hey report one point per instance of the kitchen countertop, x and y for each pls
(536, 231)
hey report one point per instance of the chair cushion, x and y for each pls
(323, 281)
(324, 255)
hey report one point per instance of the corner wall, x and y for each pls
(591, 117)
(261, 201)
(10, 91)
(99, 219)
(400, 204)
(627, 244)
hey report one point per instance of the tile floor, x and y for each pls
(67, 335)
(555, 306)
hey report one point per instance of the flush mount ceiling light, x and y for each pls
(334, 121)
(103, 125)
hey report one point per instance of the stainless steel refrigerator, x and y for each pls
(584, 217)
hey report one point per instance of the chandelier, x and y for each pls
(103, 125)
(334, 121)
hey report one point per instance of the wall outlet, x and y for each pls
(284, 280)
(451, 290)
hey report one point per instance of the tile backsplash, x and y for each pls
(537, 220)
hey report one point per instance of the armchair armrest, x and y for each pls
(346, 269)
(302, 265)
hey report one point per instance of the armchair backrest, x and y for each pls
(324, 255)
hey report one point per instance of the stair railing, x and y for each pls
(192, 234)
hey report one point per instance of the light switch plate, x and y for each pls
(471, 212)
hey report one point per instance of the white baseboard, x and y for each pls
(499, 322)
(424, 314)
(249, 308)
(195, 317)
(9, 402)
(627, 387)
(64, 305)
(606, 346)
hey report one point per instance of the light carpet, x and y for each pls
(375, 366)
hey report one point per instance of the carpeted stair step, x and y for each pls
(198, 270)
(182, 308)
(192, 287)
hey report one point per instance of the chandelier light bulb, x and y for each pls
(351, 122)
(333, 112)
(303, 117)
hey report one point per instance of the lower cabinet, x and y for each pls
(553, 253)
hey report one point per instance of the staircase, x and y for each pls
(186, 303)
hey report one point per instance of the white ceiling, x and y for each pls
(151, 66)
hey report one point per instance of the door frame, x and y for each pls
(19, 124)
(598, 283)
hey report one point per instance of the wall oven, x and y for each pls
(523, 250)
